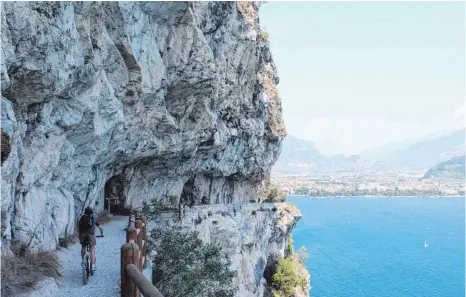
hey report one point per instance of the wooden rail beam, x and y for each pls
(144, 228)
(140, 280)
(138, 226)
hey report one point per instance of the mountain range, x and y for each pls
(300, 155)
(451, 169)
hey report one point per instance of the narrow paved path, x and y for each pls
(105, 282)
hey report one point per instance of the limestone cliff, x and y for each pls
(253, 234)
(169, 100)
(179, 99)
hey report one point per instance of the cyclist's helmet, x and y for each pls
(88, 210)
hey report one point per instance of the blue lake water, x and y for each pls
(374, 247)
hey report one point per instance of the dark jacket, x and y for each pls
(91, 230)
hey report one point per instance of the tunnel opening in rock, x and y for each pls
(188, 196)
(6, 148)
(114, 197)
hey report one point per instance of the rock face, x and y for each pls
(253, 234)
(177, 99)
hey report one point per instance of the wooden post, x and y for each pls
(138, 225)
(129, 255)
(131, 233)
(144, 227)
(143, 258)
(130, 215)
(145, 262)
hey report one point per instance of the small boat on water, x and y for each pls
(426, 244)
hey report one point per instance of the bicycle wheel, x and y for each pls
(85, 268)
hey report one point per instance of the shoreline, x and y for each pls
(331, 197)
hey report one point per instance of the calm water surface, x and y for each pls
(374, 247)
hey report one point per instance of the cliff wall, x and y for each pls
(176, 99)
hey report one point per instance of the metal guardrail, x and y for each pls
(134, 260)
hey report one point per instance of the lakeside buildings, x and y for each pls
(380, 183)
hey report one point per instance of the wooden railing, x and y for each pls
(134, 260)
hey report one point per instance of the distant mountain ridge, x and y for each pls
(382, 152)
(450, 169)
(426, 154)
(300, 155)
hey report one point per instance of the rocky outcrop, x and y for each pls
(254, 235)
(178, 99)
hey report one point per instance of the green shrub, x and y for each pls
(273, 193)
(289, 248)
(185, 266)
(287, 277)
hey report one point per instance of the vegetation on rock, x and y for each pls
(291, 275)
(289, 248)
(288, 277)
(272, 193)
(23, 270)
(186, 266)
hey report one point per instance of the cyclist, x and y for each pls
(87, 223)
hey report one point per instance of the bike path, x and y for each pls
(106, 280)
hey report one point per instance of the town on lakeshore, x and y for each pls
(366, 183)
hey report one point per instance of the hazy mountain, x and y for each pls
(425, 154)
(451, 169)
(297, 155)
(300, 155)
(384, 151)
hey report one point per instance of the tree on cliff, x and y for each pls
(185, 266)
(291, 275)
(272, 193)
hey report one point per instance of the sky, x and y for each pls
(355, 75)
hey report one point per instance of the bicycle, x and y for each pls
(86, 265)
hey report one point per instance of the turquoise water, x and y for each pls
(374, 247)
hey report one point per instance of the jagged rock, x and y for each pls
(176, 97)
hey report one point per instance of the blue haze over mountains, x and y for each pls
(302, 156)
